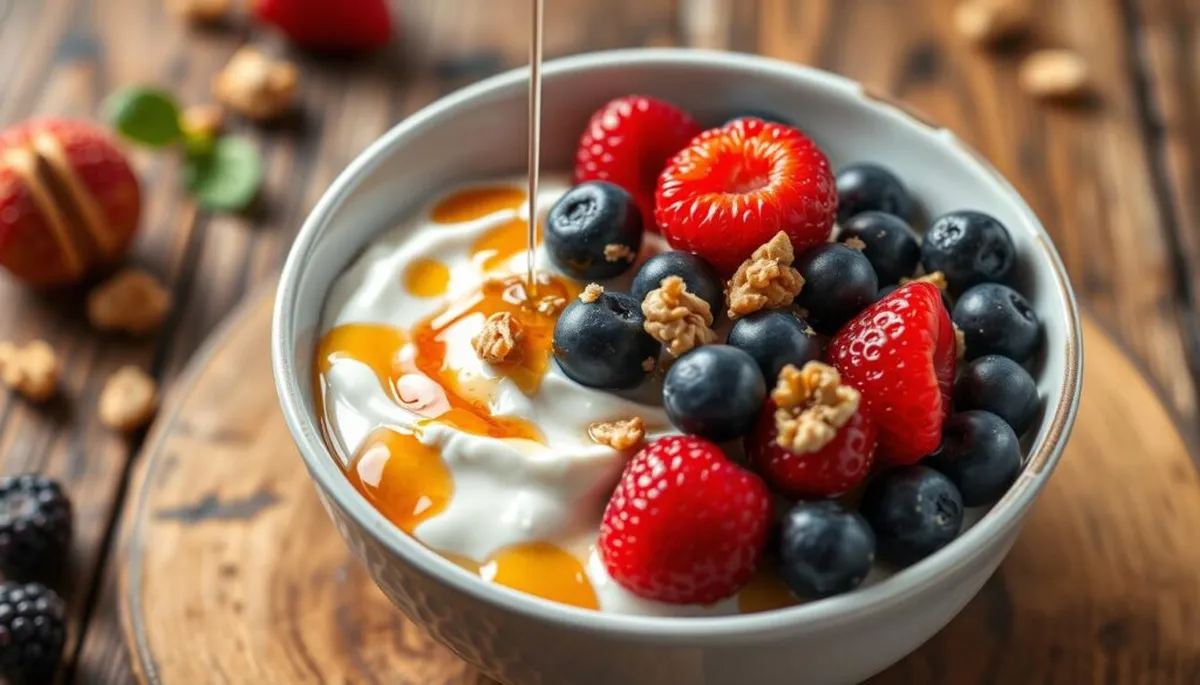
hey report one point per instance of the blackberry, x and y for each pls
(32, 633)
(35, 526)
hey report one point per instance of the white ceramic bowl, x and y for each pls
(519, 639)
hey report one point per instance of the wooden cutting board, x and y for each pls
(234, 574)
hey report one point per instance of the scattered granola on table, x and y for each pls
(32, 370)
(128, 400)
(200, 11)
(766, 280)
(133, 301)
(257, 86)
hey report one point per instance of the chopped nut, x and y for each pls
(132, 301)
(766, 280)
(855, 244)
(550, 305)
(677, 318)
(591, 293)
(32, 370)
(1054, 74)
(202, 121)
(937, 278)
(201, 11)
(648, 364)
(960, 343)
(128, 400)
(614, 252)
(620, 435)
(497, 342)
(812, 405)
(257, 86)
(985, 22)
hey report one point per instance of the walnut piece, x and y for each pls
(132, 301)
(200, 11)
(937, 278)
(1054, 74)
(591, 293)
(257, 86)
(32, 370)
(960, 343)
(620, 435)
(550, 305)
(614, 252)
(986, 22)
(855, 244)
(497, 342)
(676, 317)
(766, 280)
(812, 406)
(202, 121)
(128, 400)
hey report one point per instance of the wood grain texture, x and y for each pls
(213, 552)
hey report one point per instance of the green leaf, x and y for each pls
(227, 177)
(144, 115)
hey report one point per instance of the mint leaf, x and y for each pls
(226, 177)
(144, 115)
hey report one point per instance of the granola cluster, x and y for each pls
(766, 280)
(677, 318)
(622, 434)
(497, 342)
(257, 86)
(128, 400)
(615, 252)
(811, 406)
(550, 305)
(591, 293)
(133, 301)
(32, 370)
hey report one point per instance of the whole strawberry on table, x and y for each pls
(837, 372)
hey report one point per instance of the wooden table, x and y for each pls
(1116, 181)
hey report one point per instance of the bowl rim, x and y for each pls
(810, 616)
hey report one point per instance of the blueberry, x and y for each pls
(761, 114)
(914, 511)
(714, 391)
(891, 246)
(995, 319)
(586, 224)
(980, 453)
(701, 278)
(602, 344)
(1001, 386)
(824, 549)
(775, 338)
(838, 283)
(870, 187)
(969, 248)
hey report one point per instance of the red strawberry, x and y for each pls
(900, 353)
(329, 24)
(735, 187)
(685, 525)
(628, 142)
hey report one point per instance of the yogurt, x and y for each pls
(492, 468)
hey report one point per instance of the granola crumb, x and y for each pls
(550, 305)
(648, 364)
(621, 434)
(937, 278)
(1057, 74)
(591, 293)
(200, 11)
(676, 317)
(497, 342)
(812, 405)
(32, 370)
(128, 400)
(257, 86)
(766, 280)
(960, 343)
(615, 252)
(132, 301)
(985, 22)
(855, 244)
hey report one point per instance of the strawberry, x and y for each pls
(735, 187)
(628, 141)
(685, 525)
(69, 201)
(900, 353)
(338, 25)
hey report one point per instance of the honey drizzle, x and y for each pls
(535, 137)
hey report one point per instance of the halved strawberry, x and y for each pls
(628, 142)
(735, 187)
(900, 353)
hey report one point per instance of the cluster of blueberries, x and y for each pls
(717, 391)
